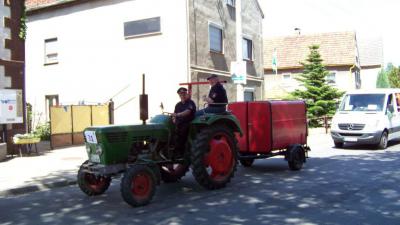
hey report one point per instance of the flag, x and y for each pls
(275, 61)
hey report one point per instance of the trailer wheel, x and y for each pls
(296, 157)
(173, 172)
(383, 142)
(138, 185)
(91, 184)
(214, 156)
(247, 162)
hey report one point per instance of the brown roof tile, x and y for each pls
(38, 4)
(338, 48)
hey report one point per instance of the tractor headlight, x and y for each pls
(99, 150)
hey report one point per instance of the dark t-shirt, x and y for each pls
(180, 107)
(218, 95)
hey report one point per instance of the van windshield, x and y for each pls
(363, 102)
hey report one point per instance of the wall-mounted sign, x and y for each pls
(11, 108)
(239, 72)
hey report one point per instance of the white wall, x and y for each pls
(96, 62)
(369, 77)
(276, 87)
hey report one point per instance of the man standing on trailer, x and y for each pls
(183, 114)
(216, 99)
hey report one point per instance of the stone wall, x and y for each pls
(204, 62)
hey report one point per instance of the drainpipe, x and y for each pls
(188, 60)
(351, 74)
(239, 56)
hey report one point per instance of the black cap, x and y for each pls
(181, 89)
(212, 76)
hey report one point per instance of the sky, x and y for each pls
(368, 18)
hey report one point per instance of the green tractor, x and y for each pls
(144, 155)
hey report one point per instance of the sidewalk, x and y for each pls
(58, 168)
(55, 168)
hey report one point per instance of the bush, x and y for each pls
(43, 131)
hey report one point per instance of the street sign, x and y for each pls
(239, 72)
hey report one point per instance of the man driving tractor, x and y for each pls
(183, 114)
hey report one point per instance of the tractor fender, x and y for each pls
(293, 150)
(229, 121)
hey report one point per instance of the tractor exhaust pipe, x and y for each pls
(143, 103)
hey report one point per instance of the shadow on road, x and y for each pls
(351, 189)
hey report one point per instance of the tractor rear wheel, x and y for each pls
(214, 156)
(173, 172)
(138, 185)
(247, 162)
(91, 184)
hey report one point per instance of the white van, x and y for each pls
(367, 117)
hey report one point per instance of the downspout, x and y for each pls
(188, 60)
(351, 74)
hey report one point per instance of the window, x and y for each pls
(247, 49)
(50, 100)
(230, 2)
(142, 27)
(331, 78)
(249, 95)
(215, 38)
(50, 51)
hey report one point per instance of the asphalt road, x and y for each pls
(357, 185)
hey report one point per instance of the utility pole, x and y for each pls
(239, 56)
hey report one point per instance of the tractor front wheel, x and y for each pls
(214, 156)
(91, 184)
(138, 185)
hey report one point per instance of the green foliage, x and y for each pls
(393, 74)
(43, 131)
(29, 116)
(382, 81)
(319, 96)
(23, 27)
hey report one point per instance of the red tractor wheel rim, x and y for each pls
(220, 158)
(93, 182)
(141, 185)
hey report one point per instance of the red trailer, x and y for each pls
(272, 128)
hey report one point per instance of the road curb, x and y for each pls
(37, 187)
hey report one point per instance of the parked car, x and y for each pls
(367, 117)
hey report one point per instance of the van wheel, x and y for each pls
(338, 144)
(383, 141)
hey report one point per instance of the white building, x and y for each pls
(92, 51)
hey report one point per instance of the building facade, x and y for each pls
(12, 57)
(339, 52)
(94, 51)
(371, 59)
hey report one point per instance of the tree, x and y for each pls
(382, 81)
(320, 97)
(393, 74)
